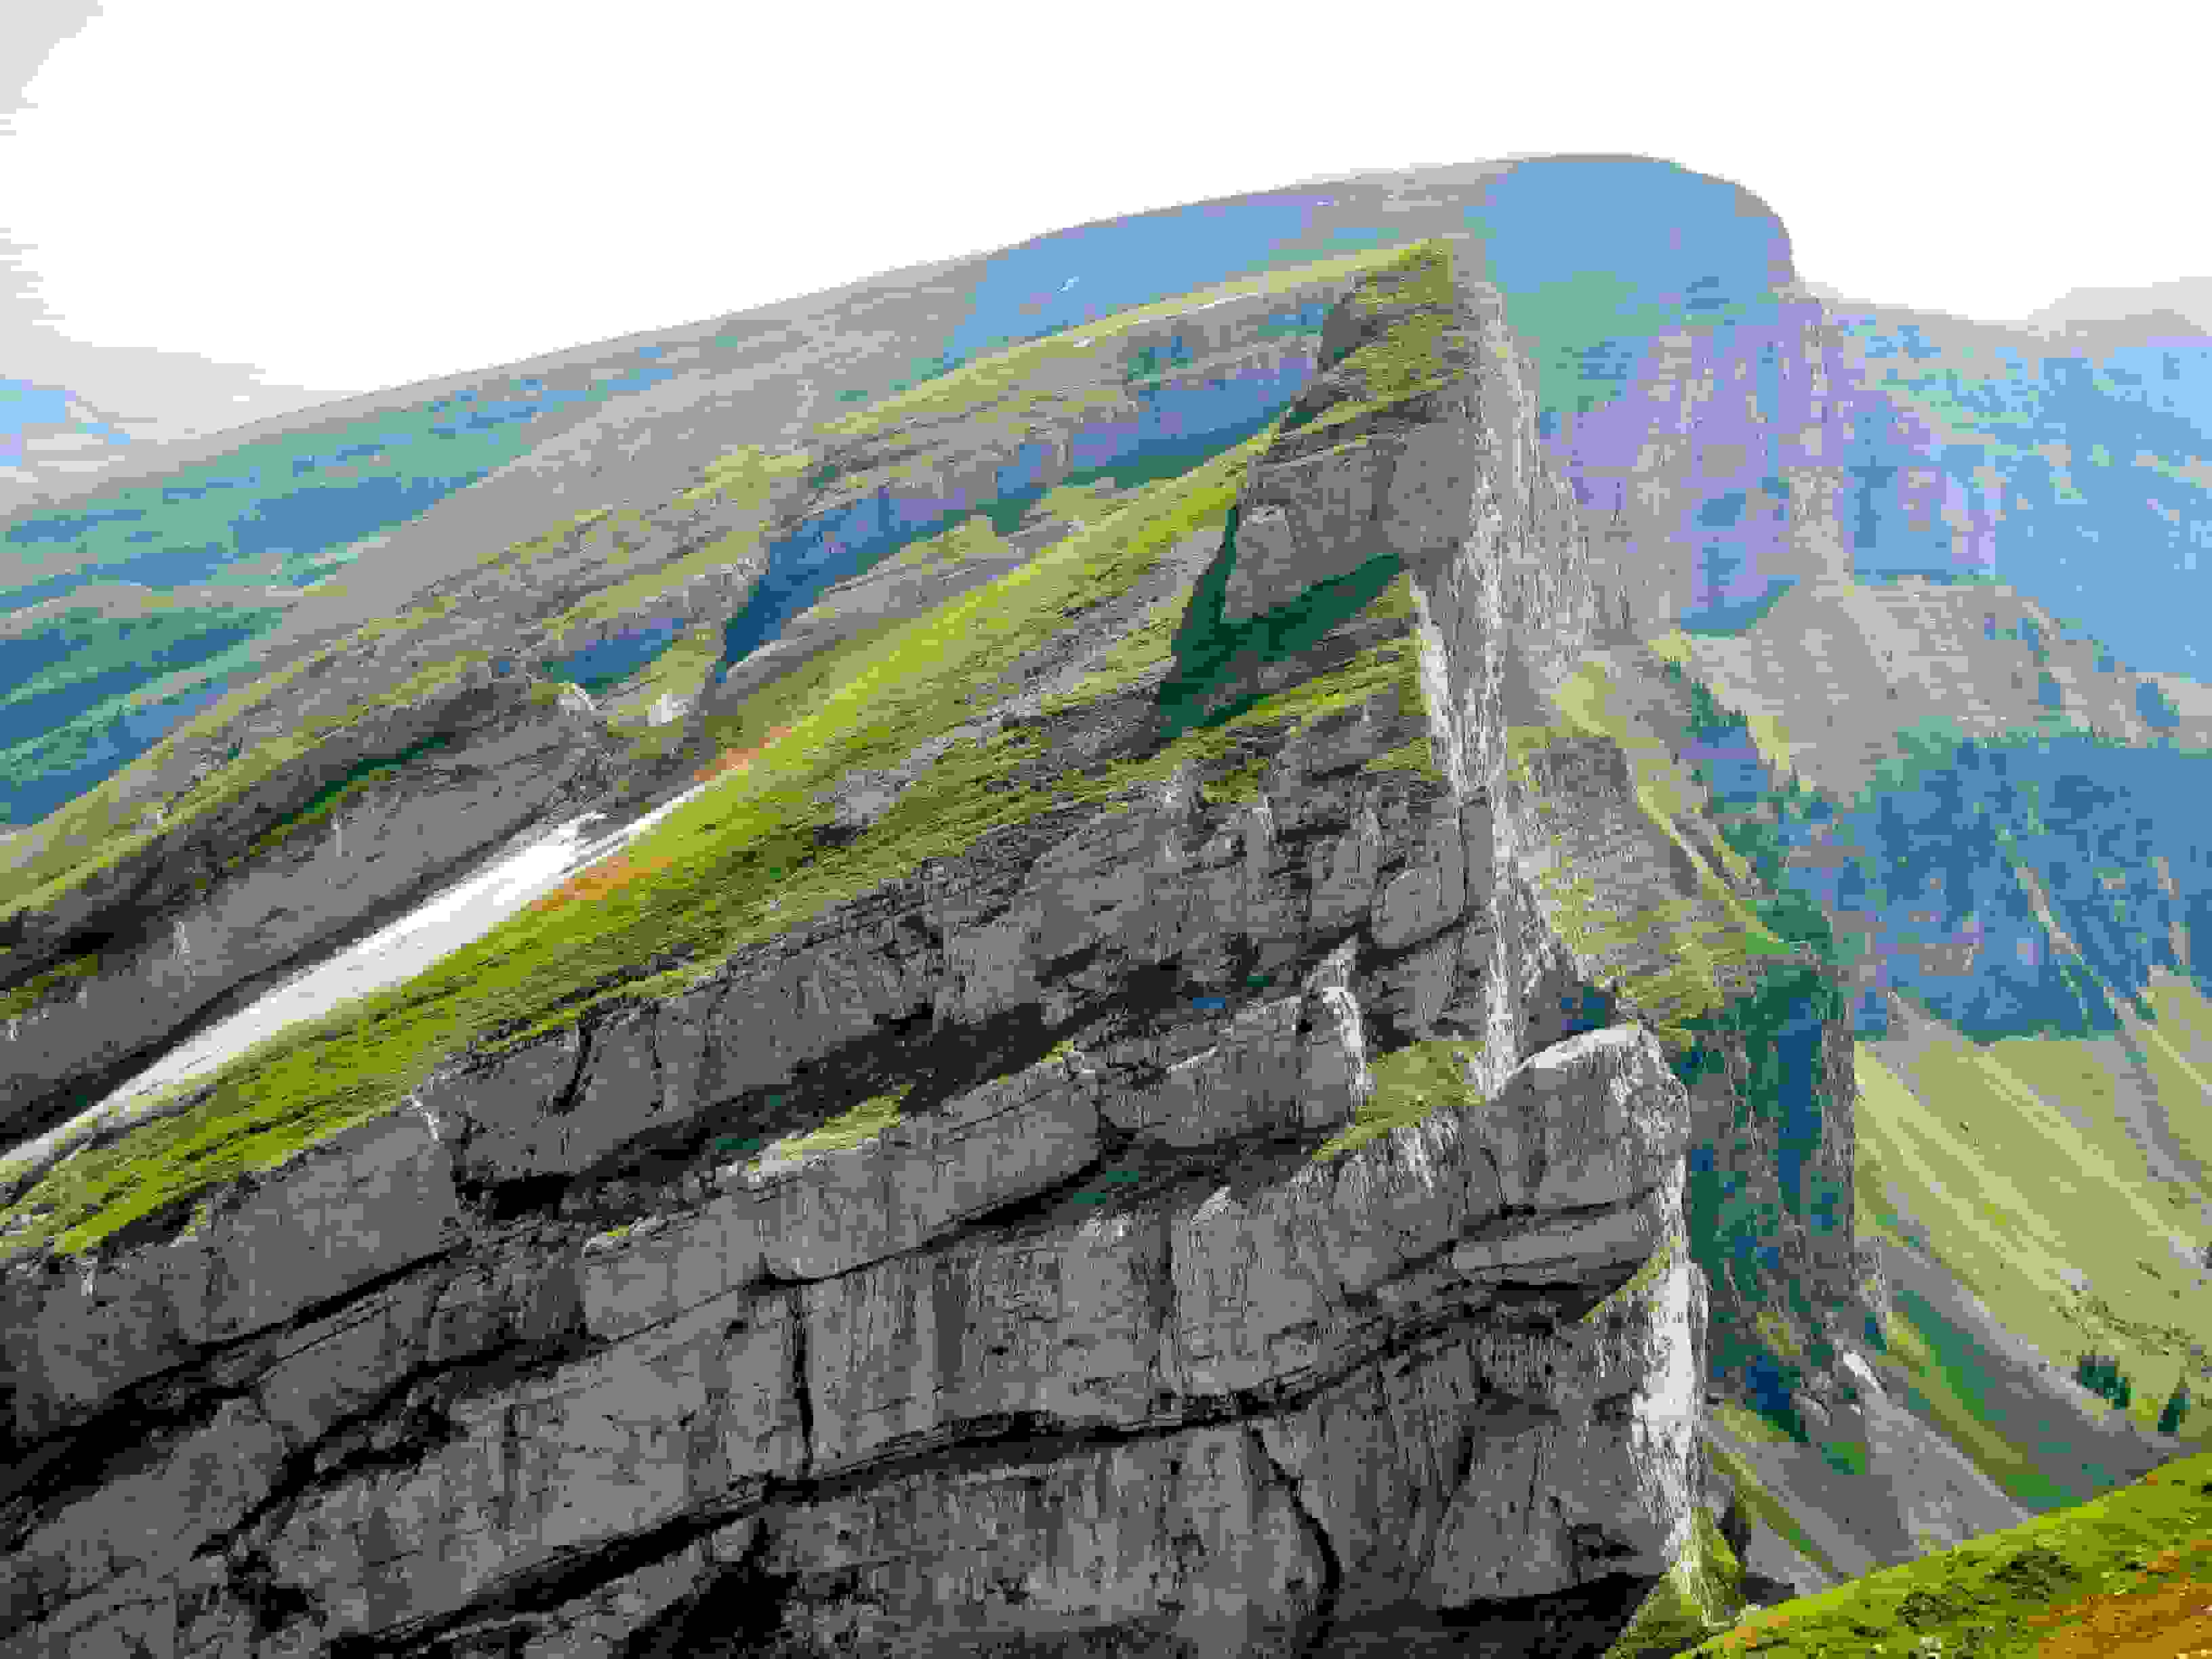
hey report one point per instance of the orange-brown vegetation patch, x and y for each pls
(601, 879)
(2167, 1620)
(737, 760)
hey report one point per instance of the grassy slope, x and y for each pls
(1012, 381)
(2134, 1566)
(1702, 964)
(870, 701)
(737, 866)
(105, 825)
(1765, 1508)
(2010, 1165)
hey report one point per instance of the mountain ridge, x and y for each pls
(1085, 718)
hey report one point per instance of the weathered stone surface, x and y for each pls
(1085, 1340)
(828, 1214)
(370, 1200)
(1581, 1123)
(379, 849)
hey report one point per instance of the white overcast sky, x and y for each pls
(200, 195)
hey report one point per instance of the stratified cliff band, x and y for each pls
(1089, 1341)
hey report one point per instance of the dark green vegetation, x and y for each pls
(332, 796)
(1768, 1043)
(1215, 662)
(2176, 1412)
(53, 981)
(2101, 1375)
(2023, 899)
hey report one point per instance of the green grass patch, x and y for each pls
(973, 538)
(2108, 1576)
(1780, 1336)
(54, 982)
(1410, 1083)
(863, 1123)
(1700, 1593)
(1748, 1425)
(738, 864)
(1135, 654)
(744, 476)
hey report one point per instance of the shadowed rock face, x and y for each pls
(1086, 1352)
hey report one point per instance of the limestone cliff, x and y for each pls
(1105, 1303)
(199, 921)
(201, 842)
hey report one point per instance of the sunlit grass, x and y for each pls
(737, 865)
(863, 1123)
(2130, 1572)
(2012, 1192)
(1410, 1083)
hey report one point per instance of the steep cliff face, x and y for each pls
(1046, 1245)
(1716, 482)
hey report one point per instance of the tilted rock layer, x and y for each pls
(185, 931)
(1087, 1341)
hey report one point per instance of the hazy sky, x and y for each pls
(198, 193)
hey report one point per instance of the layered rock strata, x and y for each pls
(197, 923)
(1086, 1345)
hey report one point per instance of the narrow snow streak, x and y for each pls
(458, 916)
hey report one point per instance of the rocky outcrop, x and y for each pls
(1102, 1338)
(1102, 1276)
(215, 908)
(1248, 1409)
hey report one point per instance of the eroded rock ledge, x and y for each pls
(1089, 1341)
(1382, 1367)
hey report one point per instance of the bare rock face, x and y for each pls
(222, 912)
(1390, 1377)
(589, 1352)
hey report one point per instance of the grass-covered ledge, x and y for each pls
(740, 863)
